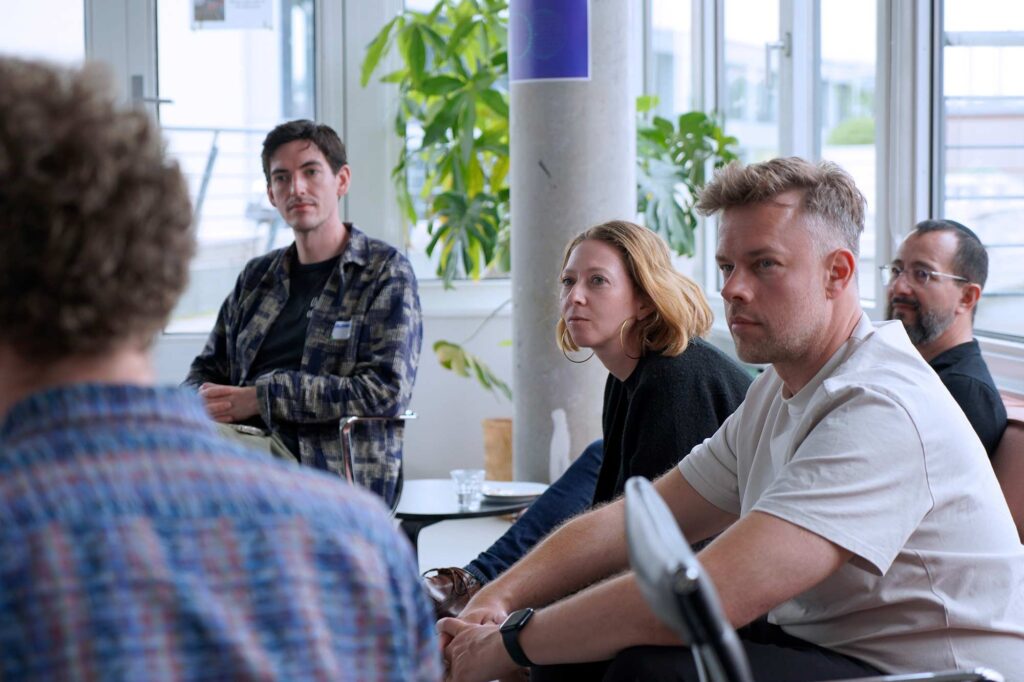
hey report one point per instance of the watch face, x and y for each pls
(516, 619)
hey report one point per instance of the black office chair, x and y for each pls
(345, 430)
(681, 595)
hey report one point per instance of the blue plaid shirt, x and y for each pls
(360, 358)
(136, 544)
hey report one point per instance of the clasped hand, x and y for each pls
(472, 646)
(229, 404)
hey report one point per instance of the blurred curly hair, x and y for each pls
(95, 220)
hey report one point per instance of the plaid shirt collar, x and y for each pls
(357, 251)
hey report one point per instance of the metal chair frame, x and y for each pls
(345, 429)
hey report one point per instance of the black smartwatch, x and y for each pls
(515, 622)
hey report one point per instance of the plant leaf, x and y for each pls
(495, 101)
(375, 50)
(454, 357)
(440, 85)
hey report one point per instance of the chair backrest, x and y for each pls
(682, 596)
(348, 464)
(1008, 461)
(677, 588)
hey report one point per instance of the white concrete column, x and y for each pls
(573, 151)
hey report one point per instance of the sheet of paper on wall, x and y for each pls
(232, 14)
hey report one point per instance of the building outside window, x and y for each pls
(980, 146)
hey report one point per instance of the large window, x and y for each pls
(671, 58)
(53, 30)
(799, 79)
(754, 52)
(981, 145)
(223, 85)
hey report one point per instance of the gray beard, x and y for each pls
(927, 327)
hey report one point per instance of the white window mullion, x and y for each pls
(904, 119)
(798, 76)
(123, 36)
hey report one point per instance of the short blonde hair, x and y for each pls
(681, 310)
(830, 196)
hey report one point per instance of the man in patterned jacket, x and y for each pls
(135, 542)
(327, 328)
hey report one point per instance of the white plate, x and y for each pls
(512, 491)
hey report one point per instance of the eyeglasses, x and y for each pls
(918, 276)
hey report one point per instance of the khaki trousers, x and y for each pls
(255, 439)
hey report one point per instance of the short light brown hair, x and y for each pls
(681, 310)
(830, 196)
(95, 225)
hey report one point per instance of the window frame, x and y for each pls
(908, 119)
(908, 129)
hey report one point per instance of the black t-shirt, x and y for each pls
(282, 348)
(965, 374)
(662, 410)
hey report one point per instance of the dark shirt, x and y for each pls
(662, 410)
(965, 374)
(286, 339)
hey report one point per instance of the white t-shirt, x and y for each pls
(876, 456)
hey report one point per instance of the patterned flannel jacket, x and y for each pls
(360, 358)
(137, 544)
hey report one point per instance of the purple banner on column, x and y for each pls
(548, 39)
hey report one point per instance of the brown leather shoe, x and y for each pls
(450, 589)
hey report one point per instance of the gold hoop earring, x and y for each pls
(564, 344)
(622, 345)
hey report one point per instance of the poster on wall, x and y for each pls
(227, 14)
(548, 40)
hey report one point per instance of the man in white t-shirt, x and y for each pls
(856, 505)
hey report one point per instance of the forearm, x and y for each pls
(595, 625)
(210, 366)
(589, 548)
(307, 398)
(213, 365)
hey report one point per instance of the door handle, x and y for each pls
(138, 88)
(785, 48)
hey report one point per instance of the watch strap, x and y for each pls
(510, 637)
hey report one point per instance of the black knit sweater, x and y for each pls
(662, 410)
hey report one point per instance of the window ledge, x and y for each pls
(1005, 360)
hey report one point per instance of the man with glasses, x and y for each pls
(933, 288)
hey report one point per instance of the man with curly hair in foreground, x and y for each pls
(135, 543)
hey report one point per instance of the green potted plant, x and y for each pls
(453, 113)
(453, 97)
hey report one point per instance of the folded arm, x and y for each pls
(759, 562)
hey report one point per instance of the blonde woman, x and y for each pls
(625, 306)
(667, 388)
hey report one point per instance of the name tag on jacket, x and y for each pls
(342, 330)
